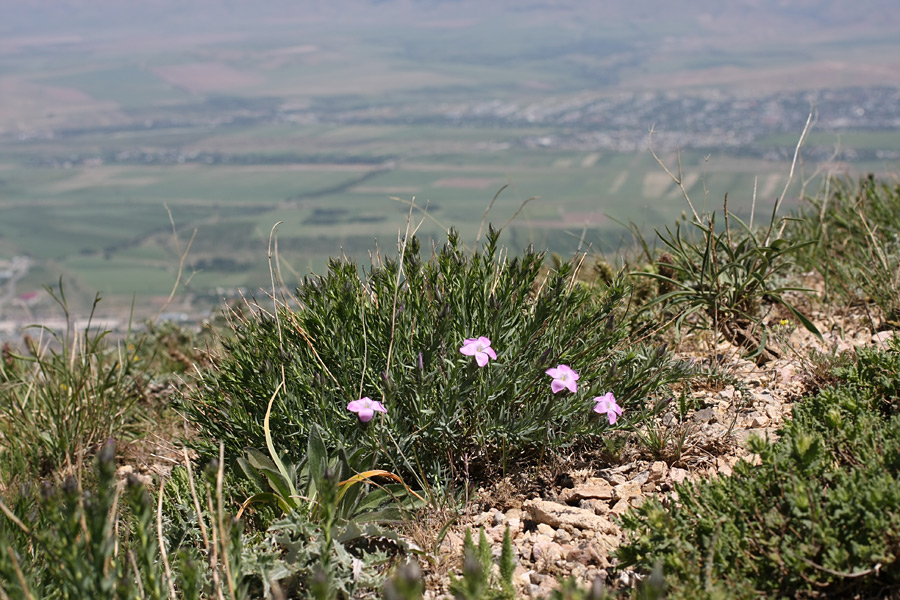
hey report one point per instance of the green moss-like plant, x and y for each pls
(819, 516)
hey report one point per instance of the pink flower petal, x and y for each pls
(557, 386)
(358, 405)
(365, 408)
(606, 404)
(480, 348)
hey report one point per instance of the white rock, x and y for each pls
(557, 515)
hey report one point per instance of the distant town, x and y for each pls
(21, 310)
(589, 121)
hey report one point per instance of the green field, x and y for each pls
(108, 225)
(102, 141)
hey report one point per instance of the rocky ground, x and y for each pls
(570, 527)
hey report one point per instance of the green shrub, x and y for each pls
(395, 336)
(857, 244)
(819, 516)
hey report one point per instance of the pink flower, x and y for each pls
(366, 408)
(607, 404)
(480, 348)
(563, 377)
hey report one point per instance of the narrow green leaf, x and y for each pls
(809, 325)
(271, 445)
(316, 459)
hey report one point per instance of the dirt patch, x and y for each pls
(580, 218)
(292, 50)
(467, 183)
(569, 220)
(396, 189)
(448, 24)
(106, 177)
(27, 104)
(838, 73)
(621, 178)
(19, 43)
(656, 185)
(198, 78)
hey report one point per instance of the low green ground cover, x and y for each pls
(819, 516)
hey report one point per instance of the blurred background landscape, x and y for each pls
(118, 120)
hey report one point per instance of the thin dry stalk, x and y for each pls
(181, 259)
(727, 224)
(486, 211)
(362, 375)
(810, 120)
(425, 214)
(162, 542)
(829, 161)
(270, 255)
(753, 202)
(873, 243)
(518, 210)
(214, 557)
(273, 255)
(137, 579)
(80, 469)
(220, 513)
(677, 179)
(19, 575)
(574, 277)
(702, 178)
(403, 244)
(498, 269)
(210, 550)
(113, 522)
(12, 517)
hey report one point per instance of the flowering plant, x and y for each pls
(480, 348)
(563, 378)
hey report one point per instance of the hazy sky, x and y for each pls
(110, 17)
